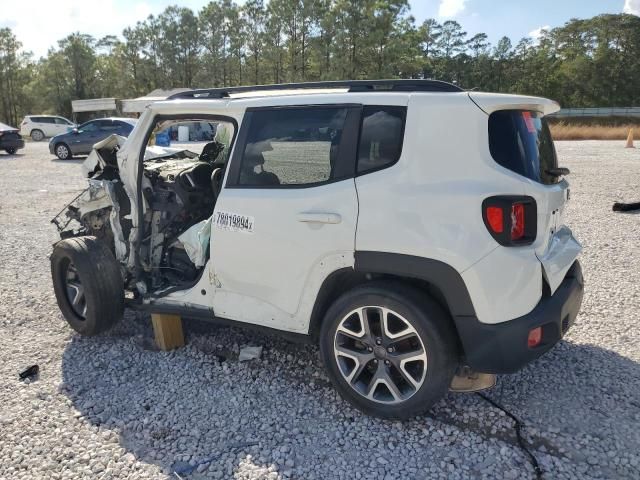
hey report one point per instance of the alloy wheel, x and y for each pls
(75, 292)
(380, 354)
(62, 152)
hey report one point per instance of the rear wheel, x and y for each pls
(389, 350)
(11, 150)
(88, 284)
(62, 151)
(37, 135)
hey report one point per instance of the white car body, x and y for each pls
(49, 125)
(463, 173)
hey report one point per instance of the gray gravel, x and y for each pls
(114, 407)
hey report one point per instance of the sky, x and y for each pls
(39, 24)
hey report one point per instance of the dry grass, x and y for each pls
(564, 131)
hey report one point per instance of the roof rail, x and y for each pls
(353, 86)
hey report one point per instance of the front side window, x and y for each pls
(292, 146)
(89, 127)
(381, 137)
(520, 141)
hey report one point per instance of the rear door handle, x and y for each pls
(319, 218)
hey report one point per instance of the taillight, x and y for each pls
(495, 219)
(511, 219)
(517, 221)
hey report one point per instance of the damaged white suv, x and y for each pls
(410, 228)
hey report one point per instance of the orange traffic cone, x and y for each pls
(630, 139)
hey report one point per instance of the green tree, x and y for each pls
(254, 14)
(586, 62)
(78, 53)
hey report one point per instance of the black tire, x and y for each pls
(11, 150)
(431, 324)
(37, 135)
(98, 274)
(63, 152)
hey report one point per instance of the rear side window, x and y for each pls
(123, 127)
(381, 136)
(520, 141)
(292, 146)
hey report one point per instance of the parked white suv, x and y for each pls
(415, 231)
(39, 127)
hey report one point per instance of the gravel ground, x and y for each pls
(114, 407)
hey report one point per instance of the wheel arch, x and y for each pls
(438, 279)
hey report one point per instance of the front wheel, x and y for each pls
(389, 350)
(62, 151)
(11, 150)
(88, 284)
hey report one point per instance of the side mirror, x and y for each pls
(75, 130)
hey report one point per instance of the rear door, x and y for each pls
(287, 214)
(47, 125)
(520, 140)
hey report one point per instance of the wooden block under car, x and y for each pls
(168, 331)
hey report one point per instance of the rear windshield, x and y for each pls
(520, 141)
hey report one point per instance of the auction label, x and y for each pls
(233, 222)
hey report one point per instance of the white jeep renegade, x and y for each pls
(410, 228)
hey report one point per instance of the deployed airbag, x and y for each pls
(196, 241)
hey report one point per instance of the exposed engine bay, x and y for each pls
(180, 194)
(179, 188)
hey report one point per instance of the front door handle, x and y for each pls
(306, 217)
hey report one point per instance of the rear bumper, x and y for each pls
(502, 347)
(17, 143)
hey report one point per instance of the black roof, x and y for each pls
(353, 86)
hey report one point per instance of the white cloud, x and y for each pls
(39, 24)
(632, 6)
(451, 8)
(537, 33)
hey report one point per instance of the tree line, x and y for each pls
(584, 63)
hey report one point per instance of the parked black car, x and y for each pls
(80, 141)
(10, 139)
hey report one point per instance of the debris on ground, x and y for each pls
(30, 372)
(626, 207)
(249, 353)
